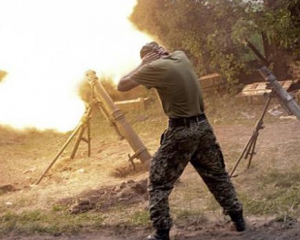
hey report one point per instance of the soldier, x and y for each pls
(188, 138)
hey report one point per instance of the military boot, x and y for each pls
(160, 234)
(238, 220)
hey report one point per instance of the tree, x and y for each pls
(278, 23)
(214, 32)
(198, 28)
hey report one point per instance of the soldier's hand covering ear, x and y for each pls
(150, 57)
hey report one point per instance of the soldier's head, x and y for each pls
(153, 47)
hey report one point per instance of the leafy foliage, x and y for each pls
(282, 26)
(213, 33)
(197, 27)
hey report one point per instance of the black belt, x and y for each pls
(186, 121)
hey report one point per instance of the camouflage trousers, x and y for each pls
(196, 144)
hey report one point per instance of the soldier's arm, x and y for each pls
(126, 83)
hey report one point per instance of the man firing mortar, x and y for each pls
(188, 138)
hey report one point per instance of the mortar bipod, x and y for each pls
(80, 129)
(86, 123)
(83, 124)
(100, 98)
(249, 148)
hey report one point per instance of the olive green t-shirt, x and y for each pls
(176, 82)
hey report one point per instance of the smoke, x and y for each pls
(47, 46)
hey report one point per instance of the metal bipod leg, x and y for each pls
(79, 129)
(85, 125)
(249, 148)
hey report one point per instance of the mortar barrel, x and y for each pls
(284, 96)
(118, 117)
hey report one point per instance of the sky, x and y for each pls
(46, 46)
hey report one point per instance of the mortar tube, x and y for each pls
(118, 117)
(285, 98)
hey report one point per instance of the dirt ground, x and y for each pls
(20, 168)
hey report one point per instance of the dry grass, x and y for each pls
(269, 188)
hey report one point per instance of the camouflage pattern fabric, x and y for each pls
(196, 144)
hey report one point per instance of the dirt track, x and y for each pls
(277, 135)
